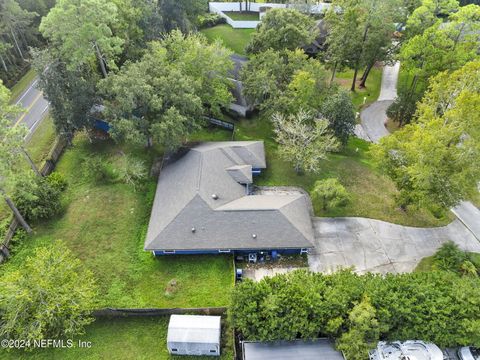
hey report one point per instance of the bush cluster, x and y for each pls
(210, 20)
(437, 306)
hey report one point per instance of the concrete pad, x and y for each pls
(377, 246)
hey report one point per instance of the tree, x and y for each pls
(70, 92)
(82, 30)
(428, 13)
(50, 296)
(329, 193)
(363, 333)
(163, 96)
(282, 29)
(435, 161)
(11, 140)
(442, 46)
(403, 108)
(338, 109)
(360, 34)
(270, 74)
(303, 139)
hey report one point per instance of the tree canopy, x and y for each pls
(50, 296)
(164, 95)
(283, 29)
(435, 161)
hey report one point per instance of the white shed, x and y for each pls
(194, 335)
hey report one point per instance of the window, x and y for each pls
(303, 251)
(224, 251)
(174, 349)
(169, 251)
(213, 351)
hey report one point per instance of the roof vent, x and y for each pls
(214, 196)
(254, 236)
(193, 229)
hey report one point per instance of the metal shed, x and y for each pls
(320, 349)
(194, 335)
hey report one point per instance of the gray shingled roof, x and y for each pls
(323, 349)
(201, 204)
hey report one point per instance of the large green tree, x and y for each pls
(428, 13)
(435, 161)
(163, 96)
(82, 31)
(283, 29)
(360, 34)
(49, 296)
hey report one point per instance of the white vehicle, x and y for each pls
(469, 353)
(407, 350)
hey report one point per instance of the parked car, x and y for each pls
(410, 349)
(469, 353)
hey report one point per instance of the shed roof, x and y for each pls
(320, 349)
(201, 204)
(194, 329)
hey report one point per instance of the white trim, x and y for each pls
(226, 251)
(168, 252)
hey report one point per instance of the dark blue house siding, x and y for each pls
(233, 251)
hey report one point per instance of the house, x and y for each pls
(205, 204)
(194, 335)
(410, 349)
(320, 349)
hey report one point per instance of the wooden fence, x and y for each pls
(46, 169)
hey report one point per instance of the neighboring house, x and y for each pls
(204, 205)
(319, 44)
(240, 104)
(410, 349)
(322, 349)
(194, 335)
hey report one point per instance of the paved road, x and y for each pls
(36, 107)
(374, 116)
(469, 215)
(378, 246)
(373, 119)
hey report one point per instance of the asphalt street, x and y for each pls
(35, 105)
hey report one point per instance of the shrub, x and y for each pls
(131, 171)
(330, 193)
(451, 258)
(37, 199)
(57, 181)
(210, 20)
(99, 170)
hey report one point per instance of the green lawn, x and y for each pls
(121, 338)
(372, 194)
(235, 39)
(105, 226)
(39, 144)
(243, 16)
(22, 84)
(366, 95)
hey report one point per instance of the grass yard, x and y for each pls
(235, 39)
(372, 194)
(122, 338)
(105, 226)
(243, 15)
(22, 85)
(371, 90)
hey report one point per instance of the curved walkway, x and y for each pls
(378, 246)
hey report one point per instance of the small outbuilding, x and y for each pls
(194, 335)
(319, 349)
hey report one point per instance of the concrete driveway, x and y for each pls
(377, 246)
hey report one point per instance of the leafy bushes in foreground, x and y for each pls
(441, 307)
